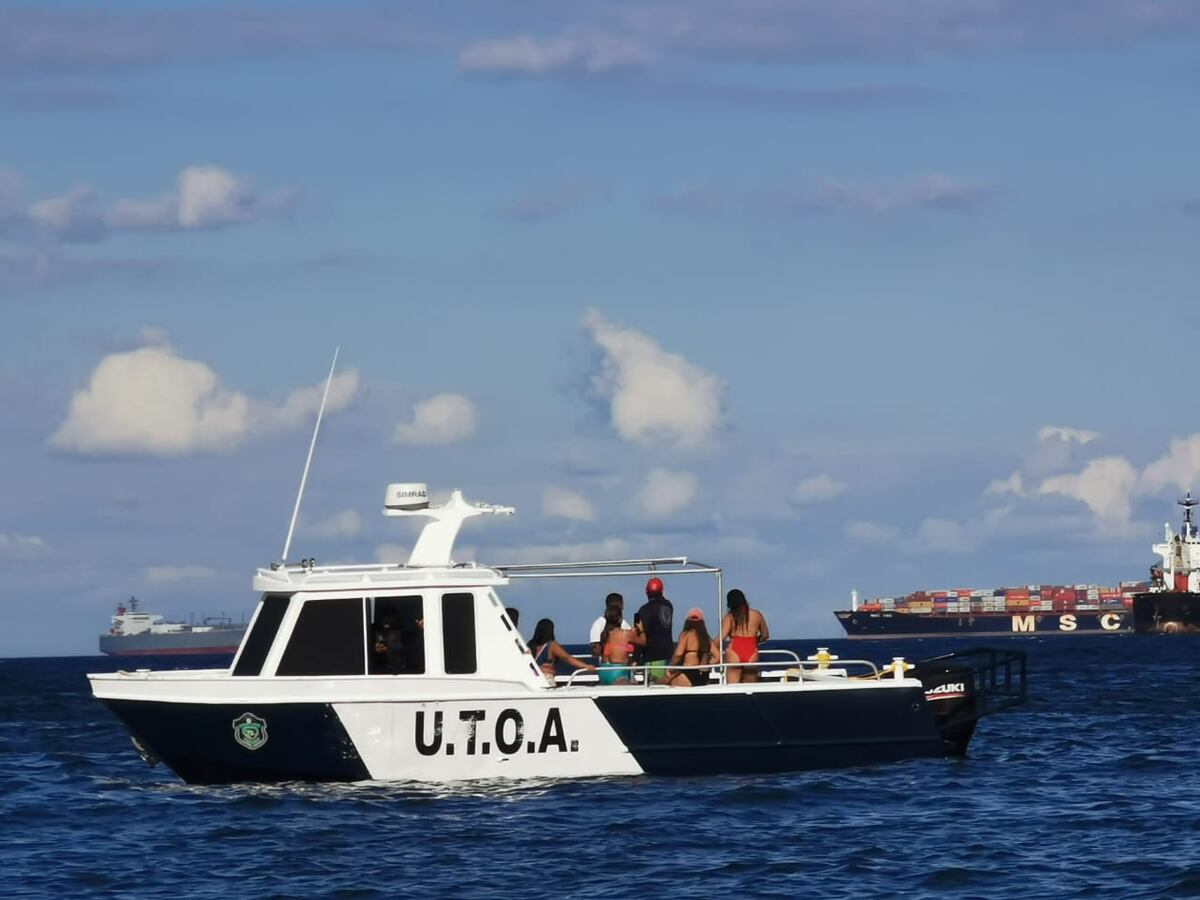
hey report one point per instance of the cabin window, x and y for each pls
(396, 636)
(458, 633)
(327, 639)
(262, 635)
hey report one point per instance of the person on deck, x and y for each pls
(599, 625)
(695, 648)
(388, 649)
(546, 650)
(617, 643)
(655, 619)
(745, 628)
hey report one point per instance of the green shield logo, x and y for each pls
(250, 731)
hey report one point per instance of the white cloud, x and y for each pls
(442, 419)
(1013, 484)
(872, 532)
(71, 217)
(204, 197)
(934, 191)
(578, 54)
(657, 398)
(1069, 435)
(1055, 450)
(21, 546)
(944, 536)
(1106, 485)
(566, 504)
(1179, 467)
(817, 489)
(608, 548)
(665, 493)
(738, 546)
(392, 553)
(692, 200)
(154, 334)
(301, 405)
(153, 401)
(340, 526)
(160, 575)
(10, 192)
(550, 202)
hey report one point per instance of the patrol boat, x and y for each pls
(307, 698)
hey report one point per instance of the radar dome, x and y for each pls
(407, 495)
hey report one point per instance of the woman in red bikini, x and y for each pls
(746, 629)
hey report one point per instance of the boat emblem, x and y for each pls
(250, 731)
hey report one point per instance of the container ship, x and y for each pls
(1169, 603)
(1002, 612)
(137, 633)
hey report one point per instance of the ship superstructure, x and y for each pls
(1171, 602)
(1180, 552)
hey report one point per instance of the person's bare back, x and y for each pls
(745, 628)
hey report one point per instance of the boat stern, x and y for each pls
(961, 688)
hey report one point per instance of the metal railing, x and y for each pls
(610, 568)
(720, 669)
(1000, 675)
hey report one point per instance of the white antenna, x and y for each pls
(287, 544)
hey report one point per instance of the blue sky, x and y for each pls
(836, 295)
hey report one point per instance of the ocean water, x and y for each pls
(1091, 790)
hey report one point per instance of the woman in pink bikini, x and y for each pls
(616, 645)
(746, 629)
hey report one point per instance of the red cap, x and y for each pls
(654, 586)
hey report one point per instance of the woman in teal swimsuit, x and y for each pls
(616, 645)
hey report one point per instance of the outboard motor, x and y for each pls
(954, 700)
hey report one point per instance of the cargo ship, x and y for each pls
(1171, 602)
(1002, 612)
(137, 633)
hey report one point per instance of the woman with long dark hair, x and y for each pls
(546, 650)
(745, 628)
(616, 646)
(694, 648)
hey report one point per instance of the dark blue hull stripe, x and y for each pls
(199, 742)
(773, 732)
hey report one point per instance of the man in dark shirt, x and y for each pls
(389, 647)
(655, 619)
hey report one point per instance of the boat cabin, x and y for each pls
(429, 617)
(388, 621)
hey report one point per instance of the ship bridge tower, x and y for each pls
(1181, 552)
